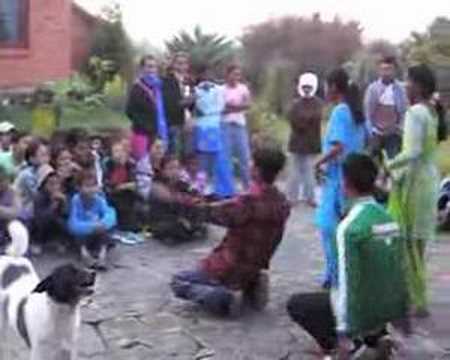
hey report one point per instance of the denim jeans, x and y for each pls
(301, 173)
(237, 145)
(198, 287)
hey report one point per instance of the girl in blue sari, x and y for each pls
(208, 137)
(346, 133)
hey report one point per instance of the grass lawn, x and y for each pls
(73, 116)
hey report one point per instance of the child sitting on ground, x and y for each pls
(370, 290)
(120, 186)
(166, 223)
(50, 211)
(91, 221)
(13, 161)
(26, 184)
(157, 153)
(191, 174)
(255, 223)
(67, 170)
(9, 207)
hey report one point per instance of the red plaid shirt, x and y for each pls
(255, 225)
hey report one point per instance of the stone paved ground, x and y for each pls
(133, 315)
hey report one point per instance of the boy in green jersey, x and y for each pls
(370, 291)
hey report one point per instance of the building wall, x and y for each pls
(83, 29)
(49, 54)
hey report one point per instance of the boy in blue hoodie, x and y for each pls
(91, 221)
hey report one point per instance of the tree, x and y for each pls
(212, 50)
(431, 47)
(111, 42)
(294, 45)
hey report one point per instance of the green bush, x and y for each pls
(265, 123)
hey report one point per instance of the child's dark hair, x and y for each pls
(351, 92)
(146, 58)
(269, 159)
(389, 59)
(17, 136)
(167, 159)
(32, 150)
(232, 67)
(87, 175)
(361, 172)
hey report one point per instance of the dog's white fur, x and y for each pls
(52, 328)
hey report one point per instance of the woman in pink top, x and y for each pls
(236, 139)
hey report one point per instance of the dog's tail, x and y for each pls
(19, 239)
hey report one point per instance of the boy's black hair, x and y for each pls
(167, 159)
(87, 175)
(32, 149)
(361, 172)
(269, 159)
(389, 59)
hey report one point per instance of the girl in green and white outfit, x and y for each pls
(416, 180)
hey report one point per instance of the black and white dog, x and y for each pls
(45, 314)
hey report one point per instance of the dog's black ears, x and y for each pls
(44, 286)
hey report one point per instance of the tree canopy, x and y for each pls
(212, 50)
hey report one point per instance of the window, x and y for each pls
(14, 23)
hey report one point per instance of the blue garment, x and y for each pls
(237, 144)
(83, 220)
(155, 83)
(353, 137)
(208, 137)
(198, 287)
(209, 106)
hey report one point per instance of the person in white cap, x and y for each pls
(6, 132)
(305, 119)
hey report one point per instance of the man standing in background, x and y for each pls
(305, 119)
(385, 107)
(177, 92)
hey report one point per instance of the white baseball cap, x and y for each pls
(6, 127)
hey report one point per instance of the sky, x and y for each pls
(388, 19)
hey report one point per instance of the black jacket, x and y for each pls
(141, 110)
(173, 101)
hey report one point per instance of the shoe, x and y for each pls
(86, 258)
(258, 295)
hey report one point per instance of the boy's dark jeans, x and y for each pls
(313, 313)
(50, 230)
(198, 287)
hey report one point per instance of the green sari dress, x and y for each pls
(414, 195)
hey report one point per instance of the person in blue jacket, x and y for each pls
(91, 221)
(208, 136)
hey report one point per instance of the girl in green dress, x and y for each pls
(416, 181)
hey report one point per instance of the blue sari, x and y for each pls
(208, 136)
(341, 129)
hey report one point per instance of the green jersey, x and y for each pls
(371, 288)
